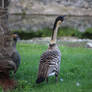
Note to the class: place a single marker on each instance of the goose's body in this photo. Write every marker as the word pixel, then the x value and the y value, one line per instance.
pixel 49 63
pixel 15 55
pixel 50 59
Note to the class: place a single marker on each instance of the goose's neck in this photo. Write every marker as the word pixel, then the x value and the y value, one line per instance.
pixel 54 35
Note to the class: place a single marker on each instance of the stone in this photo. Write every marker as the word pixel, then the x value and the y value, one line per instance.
pixel 40 6
pixel 27 9
pixel 89 45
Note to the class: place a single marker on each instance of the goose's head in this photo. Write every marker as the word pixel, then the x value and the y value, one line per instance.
pixel 58 21
pixel 15 37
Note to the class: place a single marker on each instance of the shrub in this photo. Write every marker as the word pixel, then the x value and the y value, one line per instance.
pixel 87 33
pixel 31 34
pixel 65 31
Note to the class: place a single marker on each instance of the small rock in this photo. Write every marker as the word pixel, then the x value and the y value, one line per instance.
pixel 61 80
pixel 89 45
pixel 77 84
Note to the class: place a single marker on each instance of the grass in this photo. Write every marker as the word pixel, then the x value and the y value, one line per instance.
pixel 76 67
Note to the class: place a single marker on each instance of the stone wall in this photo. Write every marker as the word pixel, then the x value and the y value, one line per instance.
pixel 54 7
pixel 38 14
pixel 38 22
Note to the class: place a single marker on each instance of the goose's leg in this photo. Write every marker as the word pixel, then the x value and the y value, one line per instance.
pixel 47 79
pixel 56 76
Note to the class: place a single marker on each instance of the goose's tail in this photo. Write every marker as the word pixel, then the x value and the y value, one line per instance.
pixel 42 74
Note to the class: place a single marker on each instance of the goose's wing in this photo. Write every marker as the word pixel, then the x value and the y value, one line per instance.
pixel 48 58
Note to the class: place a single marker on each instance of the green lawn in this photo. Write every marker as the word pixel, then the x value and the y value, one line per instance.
pixel 76 70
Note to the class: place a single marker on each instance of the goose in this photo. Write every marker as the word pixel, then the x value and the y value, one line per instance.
pixel 15 55
pixel 50 60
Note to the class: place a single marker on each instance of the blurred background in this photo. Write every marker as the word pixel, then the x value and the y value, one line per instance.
pixel 35 18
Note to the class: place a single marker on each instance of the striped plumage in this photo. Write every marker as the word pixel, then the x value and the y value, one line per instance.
pixel 49 63
pixel 50 60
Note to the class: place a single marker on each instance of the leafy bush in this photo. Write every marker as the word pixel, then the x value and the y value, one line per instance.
pixel 65 31
pixel 31 34
pixel 87 33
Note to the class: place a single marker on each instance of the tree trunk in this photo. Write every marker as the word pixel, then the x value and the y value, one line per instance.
pixel 6 50
pixel 5 37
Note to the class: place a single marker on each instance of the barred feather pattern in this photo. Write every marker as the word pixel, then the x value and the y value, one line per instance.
pixel 49 62
pixel 16 59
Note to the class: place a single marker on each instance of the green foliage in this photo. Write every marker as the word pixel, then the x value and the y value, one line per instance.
pixel 76 66
pixel 65 31
pixel 89 30
pixel 31 34
pixel 87 33
pixel 0 89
